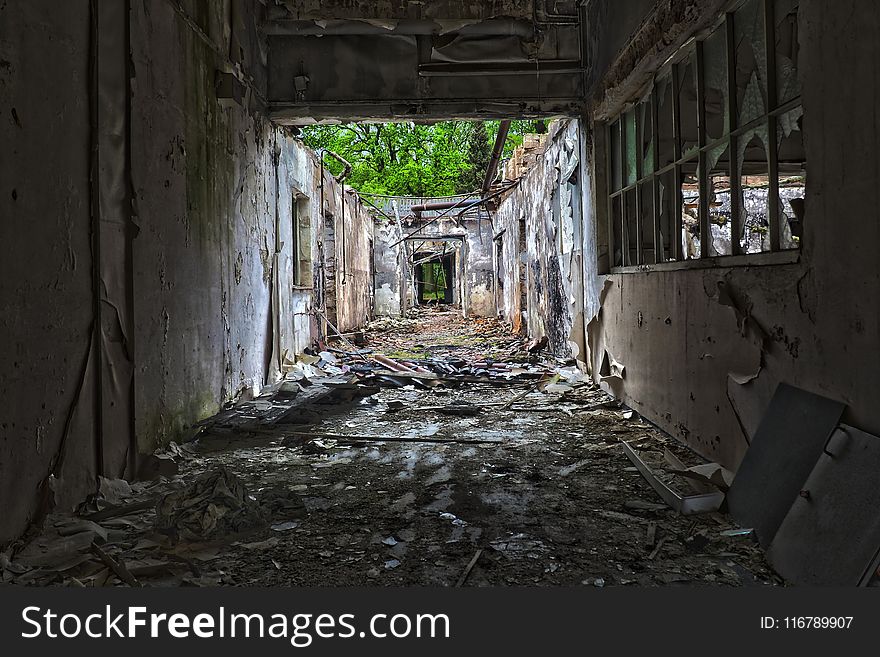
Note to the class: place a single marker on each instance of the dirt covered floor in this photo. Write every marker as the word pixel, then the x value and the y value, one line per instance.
pixel 506 468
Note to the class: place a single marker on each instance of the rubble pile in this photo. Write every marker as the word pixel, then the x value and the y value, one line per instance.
pixel 458 454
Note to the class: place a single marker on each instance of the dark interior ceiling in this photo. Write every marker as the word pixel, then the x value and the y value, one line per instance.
pixel 343 60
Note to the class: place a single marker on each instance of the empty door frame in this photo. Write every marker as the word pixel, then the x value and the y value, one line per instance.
pixel 415 243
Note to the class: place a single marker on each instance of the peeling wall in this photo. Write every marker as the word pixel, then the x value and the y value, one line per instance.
pixel 216 185
pixel 389 268
pixel 350 251
pixel 204 181
pixel 148 227
pixel 474 276
pixel 541 249
pixel 704 349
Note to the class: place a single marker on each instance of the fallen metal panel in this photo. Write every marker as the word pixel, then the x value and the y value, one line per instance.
pixel 785 448
pixel 686 505
pixel 831 535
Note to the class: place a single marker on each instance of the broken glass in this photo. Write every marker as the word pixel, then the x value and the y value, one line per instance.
pixel 788 85
pixel 668 204
pixel 753 171
pixel 688 107
pixel 715 84
pixel 646 195
pixel 690 211
pixel 631 234
pixel 616 225
pixel 719 205
pixel 751 62
pixel 792 177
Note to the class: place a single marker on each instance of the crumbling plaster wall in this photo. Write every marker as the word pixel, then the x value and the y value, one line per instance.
pixel 215 186
pixel 353 230
pixel 204 180
pixel 549 197
pixel 476 290
pixel 389 268
pixel 692 340
pixel 479 288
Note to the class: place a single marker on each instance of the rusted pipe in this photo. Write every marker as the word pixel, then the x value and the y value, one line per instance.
pixel 391 364
pixel 503 130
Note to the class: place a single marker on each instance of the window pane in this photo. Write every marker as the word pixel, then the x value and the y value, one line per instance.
pixel 668 208
pixel 787 47
pixel 792 178
pixel 753 170
pixel 629 122
pixel 646 137
pixel 664 121
pixel 690 211
pixel 715 84
pixel 646 194
pixel 751 62
pixel 631 234
pixel 616 166
pixel 687 99
pixel 718 166
pixel 616 222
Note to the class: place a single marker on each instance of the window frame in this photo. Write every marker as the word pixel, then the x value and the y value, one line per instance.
pixel 670 74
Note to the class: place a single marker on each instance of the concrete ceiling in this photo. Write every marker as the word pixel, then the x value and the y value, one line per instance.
pixel 343 60
pixel 475 10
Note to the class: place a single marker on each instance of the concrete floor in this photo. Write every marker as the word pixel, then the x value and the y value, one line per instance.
pixel 547 497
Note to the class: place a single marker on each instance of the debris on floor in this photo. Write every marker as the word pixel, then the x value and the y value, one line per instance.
pixel 448 452
pixel 216 503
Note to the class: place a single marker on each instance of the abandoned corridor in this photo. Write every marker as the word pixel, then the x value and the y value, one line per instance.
pixel 680 276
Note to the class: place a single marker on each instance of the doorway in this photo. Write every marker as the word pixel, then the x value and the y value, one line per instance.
pixel 435 280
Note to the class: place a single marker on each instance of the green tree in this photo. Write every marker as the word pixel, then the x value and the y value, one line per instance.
pixel 414 159
pixel 479 152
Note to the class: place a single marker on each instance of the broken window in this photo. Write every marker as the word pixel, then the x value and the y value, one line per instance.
pixel 711 162
pixel 691 245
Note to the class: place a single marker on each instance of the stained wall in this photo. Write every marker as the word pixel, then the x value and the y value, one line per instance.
pixel 704 349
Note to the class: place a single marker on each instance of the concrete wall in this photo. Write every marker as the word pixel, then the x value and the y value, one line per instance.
pixel 432 60
pixel 389 268
pixel 548 258
pixel 204 178
pixel 148 235
pixel 352 233
pixel 48 384
pixel 475 268
pixel 705 348
pixel 216 184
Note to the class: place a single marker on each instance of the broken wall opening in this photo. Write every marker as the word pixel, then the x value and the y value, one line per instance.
pixel 437 270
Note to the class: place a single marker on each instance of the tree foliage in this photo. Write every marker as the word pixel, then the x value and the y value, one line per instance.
pixel 413 159
pixel 479 152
